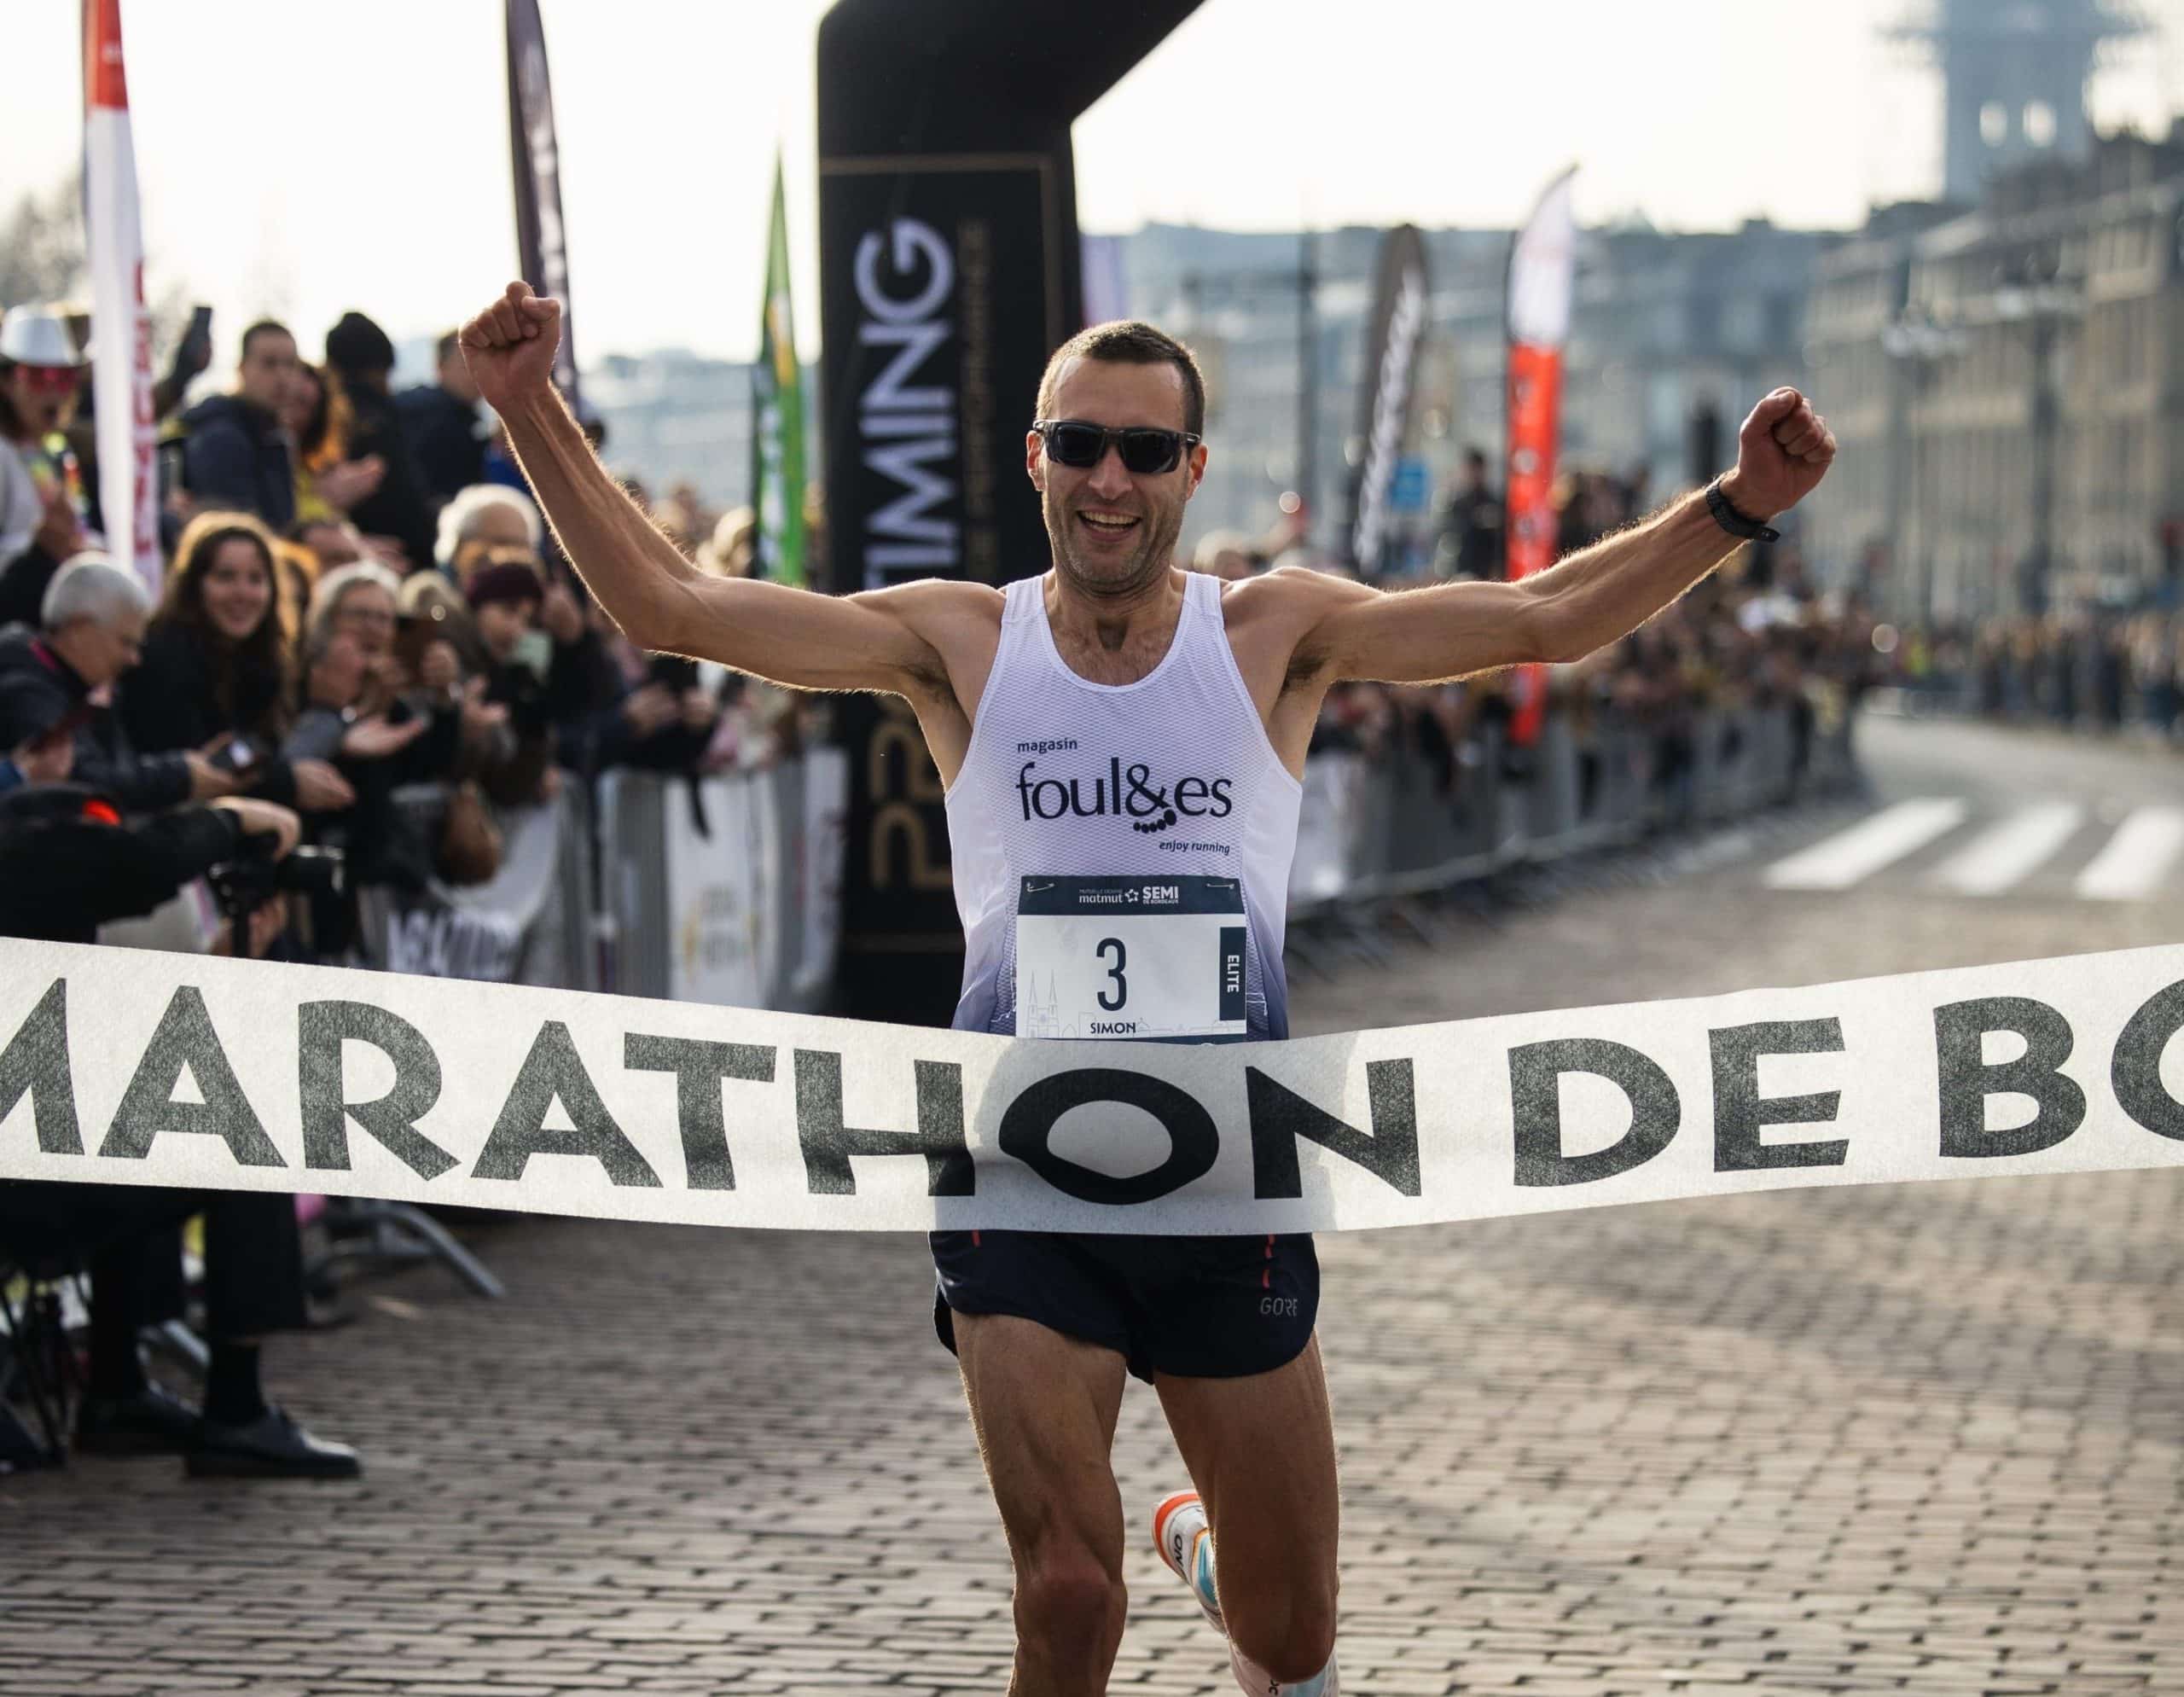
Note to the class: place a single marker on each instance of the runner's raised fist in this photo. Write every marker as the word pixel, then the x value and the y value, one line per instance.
pixel 1783 451
pixel 509 347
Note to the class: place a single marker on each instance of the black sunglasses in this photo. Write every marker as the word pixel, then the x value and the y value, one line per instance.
pixel 1146 451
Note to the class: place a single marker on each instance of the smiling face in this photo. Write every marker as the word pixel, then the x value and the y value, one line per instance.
pixel 365 614
pixel 1113 531
pixel 238 588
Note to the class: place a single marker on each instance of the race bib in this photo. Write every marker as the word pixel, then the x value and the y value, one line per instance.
pixel 1139 957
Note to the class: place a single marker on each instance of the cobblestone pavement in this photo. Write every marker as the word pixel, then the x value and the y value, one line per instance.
pixel 1919 1438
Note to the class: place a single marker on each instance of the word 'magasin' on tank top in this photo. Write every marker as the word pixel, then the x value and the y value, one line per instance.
pixel 1122 851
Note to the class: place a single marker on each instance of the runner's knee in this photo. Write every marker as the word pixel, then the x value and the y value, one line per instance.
pixel 1068 1602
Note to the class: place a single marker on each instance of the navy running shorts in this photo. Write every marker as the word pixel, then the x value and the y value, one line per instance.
pixel 1200 1307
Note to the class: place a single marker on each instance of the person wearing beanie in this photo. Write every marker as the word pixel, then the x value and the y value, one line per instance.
pixel 362 356
pixel 505 593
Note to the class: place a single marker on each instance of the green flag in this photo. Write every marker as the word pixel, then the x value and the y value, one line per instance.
pixel 778 417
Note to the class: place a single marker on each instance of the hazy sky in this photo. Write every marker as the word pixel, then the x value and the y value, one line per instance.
pixel 300 157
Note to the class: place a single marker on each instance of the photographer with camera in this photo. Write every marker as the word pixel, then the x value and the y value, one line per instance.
pixel 68 863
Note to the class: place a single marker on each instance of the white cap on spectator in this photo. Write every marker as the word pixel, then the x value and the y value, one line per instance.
pixel 89 585
pixel 37 336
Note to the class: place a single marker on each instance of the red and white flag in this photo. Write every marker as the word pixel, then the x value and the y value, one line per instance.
pixel 1542 264
pixel 121 379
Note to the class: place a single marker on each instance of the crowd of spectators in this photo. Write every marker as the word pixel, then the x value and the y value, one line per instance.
pixel 2102 670
pixel 1754 635
pixel 363 640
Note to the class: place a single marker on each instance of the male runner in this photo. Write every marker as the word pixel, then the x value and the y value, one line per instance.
pixel 1115 718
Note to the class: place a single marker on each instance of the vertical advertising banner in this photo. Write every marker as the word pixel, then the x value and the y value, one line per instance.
pixel 1542 268
pixel 1395 334
pixel 939 322
pixel 951 268
pixel 777 415
pixel 121 379
pixel 541 249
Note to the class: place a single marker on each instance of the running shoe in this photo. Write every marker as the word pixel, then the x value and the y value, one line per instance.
pixel 1181 1534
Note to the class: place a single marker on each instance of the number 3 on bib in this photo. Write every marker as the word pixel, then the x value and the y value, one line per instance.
pixel 1140 957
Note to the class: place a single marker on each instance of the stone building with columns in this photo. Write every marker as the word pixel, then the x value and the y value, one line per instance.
pixel 2005 381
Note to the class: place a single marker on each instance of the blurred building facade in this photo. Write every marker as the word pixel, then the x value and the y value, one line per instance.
pixel 1664 326
pixel 2005 381
pixel 678 417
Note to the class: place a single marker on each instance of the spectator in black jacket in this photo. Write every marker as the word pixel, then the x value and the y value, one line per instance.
pixel 215 666
pixel 94 631
pixel 442 422
pixel 362 358
pixel 236 454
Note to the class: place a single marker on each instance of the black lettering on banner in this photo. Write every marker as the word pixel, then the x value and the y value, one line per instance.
pixel 2135 1070
pixel 185 1037
pixel 699 1068
pixel 35 1060
pixel 1739 1110
pixel 1279 1117
pixel 827 1142
pixel 553 1069
pixel 1966 1079
pixel 322 1028
pixel 1193 1142
pixel 1535 1070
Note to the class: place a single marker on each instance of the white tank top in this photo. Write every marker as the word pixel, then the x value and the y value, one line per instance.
pixel 1161 803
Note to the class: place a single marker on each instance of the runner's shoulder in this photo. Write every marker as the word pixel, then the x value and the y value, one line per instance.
pixel 934 606
pixel 1292 597
pixel 955 620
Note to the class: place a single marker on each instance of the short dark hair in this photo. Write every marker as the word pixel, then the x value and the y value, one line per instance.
pixel 263 327
pixel 448 343
pixel 1127 341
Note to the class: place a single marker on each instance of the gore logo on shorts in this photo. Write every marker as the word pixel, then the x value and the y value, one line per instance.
pixel 1126 792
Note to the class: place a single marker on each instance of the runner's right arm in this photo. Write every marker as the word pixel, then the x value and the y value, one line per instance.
pixel 662 601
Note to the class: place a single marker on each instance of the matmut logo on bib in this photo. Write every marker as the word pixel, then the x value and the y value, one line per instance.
pixel 1127 791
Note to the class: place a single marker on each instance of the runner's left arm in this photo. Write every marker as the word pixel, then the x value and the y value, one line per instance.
pixel 1590 599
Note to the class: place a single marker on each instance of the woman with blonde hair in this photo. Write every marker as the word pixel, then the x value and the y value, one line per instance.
pixel 316 415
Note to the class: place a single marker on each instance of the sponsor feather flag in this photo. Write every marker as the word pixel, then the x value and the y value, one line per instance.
pixel 541 246
pixel 777 416
pixel 122 377
pixel 1542 266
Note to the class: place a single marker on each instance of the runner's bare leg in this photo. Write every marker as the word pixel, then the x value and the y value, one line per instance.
pixel 1261 1451
pixel 1044 1408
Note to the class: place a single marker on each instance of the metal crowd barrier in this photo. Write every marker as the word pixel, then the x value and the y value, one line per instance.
pixel 726 889
pixel 1400 823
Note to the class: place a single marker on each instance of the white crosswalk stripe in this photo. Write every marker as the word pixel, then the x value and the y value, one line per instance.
pixel 2010 849
pixel 2132 863
pixel 1849 857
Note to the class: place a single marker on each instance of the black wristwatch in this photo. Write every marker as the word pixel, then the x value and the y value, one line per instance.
pixel 1733 521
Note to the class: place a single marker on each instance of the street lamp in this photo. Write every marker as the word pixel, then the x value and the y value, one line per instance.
pixel 2033 296
pixel 1917 345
